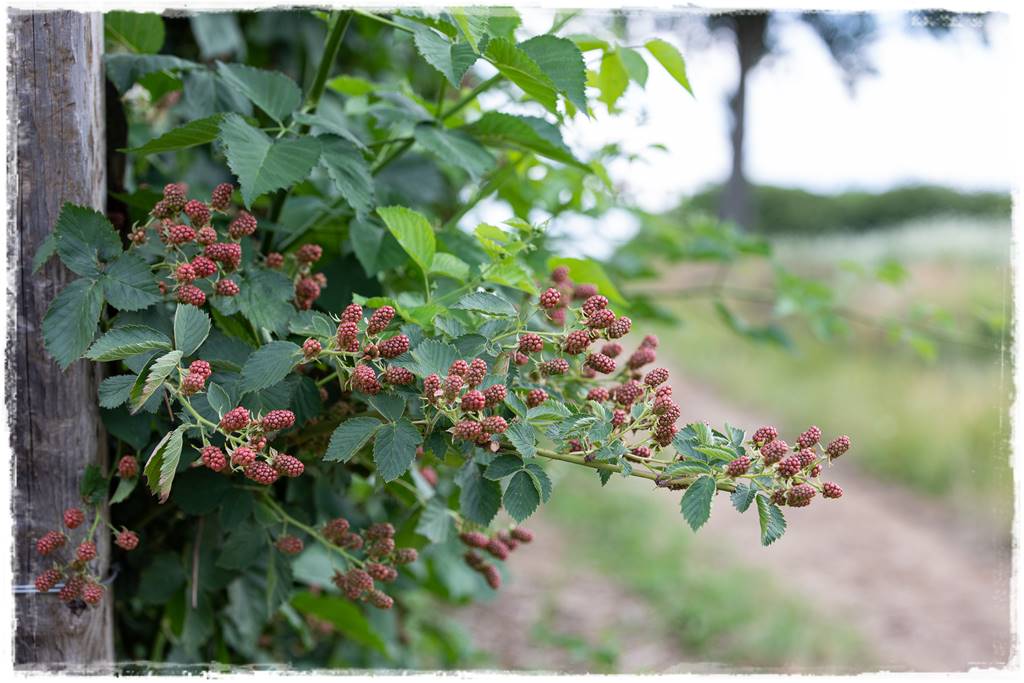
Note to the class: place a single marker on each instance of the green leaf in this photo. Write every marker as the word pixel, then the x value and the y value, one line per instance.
pixel 413 231
pixel 455 147
pixel 114 390
pixel 562 61
pixel 47 248
pixel 522 495
pixel 517 66
pixel 773 524
pixel 123 490
pixel 155 374
pixel 450 265
pixel 742 497
pixel 612 80
pixel 503 466
pixel 135 31
pixel 542 479
pixel 589 271
pixel 218 399
pixel 473 23
pixel 452 60
pixel 85 238
pixel 434 357
pixel 350 436
pixel 394 449
pixel 218 35
pixel 523 437
pixel 124 70
pixel 343 615
pixel 269 365
pixel 349 171
pixel 244 546
pixel 192 134
pixel 696 502
pixel 479 498
pixel 635 65
pixel 353 86
pixel 128 284
pixel 668 56
pixel 93 486
pixel 70 321
pixel 391 406
pixel 271 91
pixel 266 299
pixel 523 133
pixel 163 463
pixel 261 164
pixel 486 302
pixel 191 328
pixel 129 340
pixel 436 522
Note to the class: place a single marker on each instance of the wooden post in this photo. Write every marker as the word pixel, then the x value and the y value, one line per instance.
pixel 56 154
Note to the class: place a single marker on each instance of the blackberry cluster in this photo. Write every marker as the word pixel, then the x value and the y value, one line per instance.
pixel 499 546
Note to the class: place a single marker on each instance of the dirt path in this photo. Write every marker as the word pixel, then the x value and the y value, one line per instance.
pixel 926 591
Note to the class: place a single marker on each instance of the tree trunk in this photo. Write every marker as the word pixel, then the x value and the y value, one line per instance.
pixel 749 29
pixel 56 90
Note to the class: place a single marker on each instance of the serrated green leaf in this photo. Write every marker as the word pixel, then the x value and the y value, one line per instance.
pixel 269 365
pixel 452 60
pixel 114 391
pixel 528 133
pixel 473 23
pixel 517 66
pixel 773 523
pixel 391 406
pixel 350 436
pixel 217 34
pixel 543 480
pixel 668 56
pixel 353 86
pixel 523 437
pixel 266 299
pixel 612 80
pixel 742 497
pixel 124 70
pixel 85 238
pixel 413 231
pixel 191 328
pixel 394 449
pixel 123 490
pixel 163 463
pixel 128 284
pixel 192 134
pixel 46 249
pixel 522 495
pixel 437 522
pixel 635 65
pixel 93 486
pixel 562 61
pixel 128 340
pixel 263 165
pixel 432 356
pixel 487 303
pixel 451 266
pixel 152 378
pixel 503 466
pixel 343 615
pixel 138 32
pixel 218 399
pixel 349 171
pixel 271 91
pixel 479 498
pixel 70 322
pixel 455 147
pixel 696 502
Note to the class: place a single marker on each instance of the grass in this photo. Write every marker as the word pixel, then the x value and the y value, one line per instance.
pixel 721 614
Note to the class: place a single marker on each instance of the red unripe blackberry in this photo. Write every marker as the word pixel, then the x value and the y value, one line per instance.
pixel 555 366
pixel 641 357
pixel 364 379
pixel 816 470
pixel 662 404
pixel 432 387
pixel 773 451
pixel 492 576
pixel 180 234
pixel 288 465
pixel 353 313
pixel 359 581
pixel 599 394
pixel 577 341
pixel 128 467
pixel 522 535
pixel 398 376
pixel 127 540
pixel 335 529
pixel 243 225
pixel 557 316
pixel 808 438
pixel 226 287
pixel 560 274
pixel 531 343
pixel 497 549
pixel 86 551
pixel 92 593
pixel 550 298
pixel 593 304
pixel 650 342
pixel 351 541
pixel 192 384
pixel 807 456
pixel 72 588
pixel 220 198
pixel 229 254
pixel 309 253
pixel 73 518
pixel 452 385
pixel 50 541
pixel 575 445
pixel 192 295
pixel 656 376
pixel 475 560
pixel 476 373
pixel 274 260
pixel 185 273
pixel 394 347
pixel 641 451
pixel 201 368
pixel 306 292
pixel 347 330
pixel 612 349
pixel 380 599
pixel 789 466
pixel 583 291
pixel 627 394
pixel 494 395
pixel 406 555
pixel 520 358
pixel 458 367
pixel 261 473
pixel 198 213
pixel 175 195
pixel 800 495
pixel 619 328
pixel 380 319
pixel 601 319
pixel 738 467
pixel 764 435
pixel 47 580
pixel 235 419
pixel 138 237
pixel 474 539
pixel 663 391
pixel 535 397
pixel 243 456
pixel 494 424
pixel 669 415
pixel 206 235
pixel 831 490
pixel 619 417
pixel 257 443
pixel 588 372
pixel 213 458
pixel 163 210
pixel 203 267
pixel 379 530
pixel 664 434
pixel 278 419
pixel 467 430
pixel 429 475
pixel 311 348
pixel 289 545
pixel 838 446
pixel 381 548
pixel 381 572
